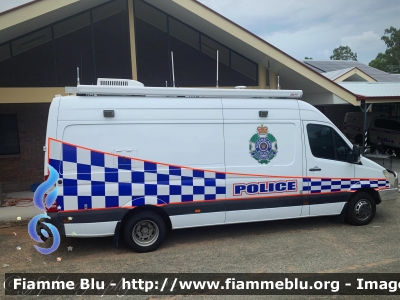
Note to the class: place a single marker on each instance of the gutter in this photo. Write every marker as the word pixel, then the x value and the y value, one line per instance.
pixel 361 97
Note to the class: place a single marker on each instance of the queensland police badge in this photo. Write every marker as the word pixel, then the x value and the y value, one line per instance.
pixel 263 145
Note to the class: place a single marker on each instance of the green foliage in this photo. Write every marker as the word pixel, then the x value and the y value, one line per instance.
pixel 343 53
pixel 392 43
pixel 381 62
pixel 389 60
pixel 308 57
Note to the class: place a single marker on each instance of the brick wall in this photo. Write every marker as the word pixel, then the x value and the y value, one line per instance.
pixel 18 173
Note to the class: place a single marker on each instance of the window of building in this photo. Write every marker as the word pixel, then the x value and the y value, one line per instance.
pixel 9 141
pixel 96 41
pixel 152 57
pixel 243 66
pixel 158 34
pixel 184 33
pixel 73 48
pixel 327 143
pixel 6 73
pixel 210 47
pixel 190 64
pixel 111 41
pixel 33 59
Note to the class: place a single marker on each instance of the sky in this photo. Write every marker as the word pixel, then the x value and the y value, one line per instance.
pixel 311 28
pixel 8 4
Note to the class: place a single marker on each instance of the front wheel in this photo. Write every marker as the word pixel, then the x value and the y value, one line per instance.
pixel 145 231
pixel 361 209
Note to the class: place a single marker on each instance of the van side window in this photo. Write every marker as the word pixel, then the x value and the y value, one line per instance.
pixel 387 124
pixel 327 143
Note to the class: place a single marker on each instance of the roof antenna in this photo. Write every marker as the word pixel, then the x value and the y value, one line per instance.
pixel 77 76
pixel 173 69
pixel 279 87
pixel 217 66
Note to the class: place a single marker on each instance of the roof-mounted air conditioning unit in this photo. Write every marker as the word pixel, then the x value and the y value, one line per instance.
pixel 119 82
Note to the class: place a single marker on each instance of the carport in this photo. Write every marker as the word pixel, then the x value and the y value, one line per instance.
pixel 369 93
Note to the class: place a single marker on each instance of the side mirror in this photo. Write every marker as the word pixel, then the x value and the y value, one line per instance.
pixel 354 156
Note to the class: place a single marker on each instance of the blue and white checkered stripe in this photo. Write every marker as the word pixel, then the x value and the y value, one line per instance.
pixel 99 180
pixel 324 185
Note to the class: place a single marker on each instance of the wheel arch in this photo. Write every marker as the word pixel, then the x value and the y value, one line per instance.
pixel 374 194
pixel 141 208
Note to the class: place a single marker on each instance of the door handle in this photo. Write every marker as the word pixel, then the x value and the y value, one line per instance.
pixel 315 169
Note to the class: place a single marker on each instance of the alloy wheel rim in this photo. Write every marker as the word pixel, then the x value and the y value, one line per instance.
pixel 145 233
pixel 363 210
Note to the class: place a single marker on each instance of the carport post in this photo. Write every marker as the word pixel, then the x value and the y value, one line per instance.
pixel 364 107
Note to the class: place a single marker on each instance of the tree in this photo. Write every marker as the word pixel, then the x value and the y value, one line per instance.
pixel 392 43
pixel 381 62
pixel 390 60
pixel 343 53
pixel 307 57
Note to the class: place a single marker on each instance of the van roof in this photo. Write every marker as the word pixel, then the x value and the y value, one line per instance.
pixel 124 87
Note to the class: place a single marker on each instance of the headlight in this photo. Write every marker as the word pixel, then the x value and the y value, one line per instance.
pixel 386 174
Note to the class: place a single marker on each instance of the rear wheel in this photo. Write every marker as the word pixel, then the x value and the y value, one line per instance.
pixel 145 231
pixel 361 209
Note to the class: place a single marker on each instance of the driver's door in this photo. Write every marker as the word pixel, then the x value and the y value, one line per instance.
pixel 328 174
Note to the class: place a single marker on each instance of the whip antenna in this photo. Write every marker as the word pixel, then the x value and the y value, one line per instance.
pixel 217 66
pixel 173 70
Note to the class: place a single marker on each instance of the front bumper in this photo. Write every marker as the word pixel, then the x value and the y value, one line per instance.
pixel 391 193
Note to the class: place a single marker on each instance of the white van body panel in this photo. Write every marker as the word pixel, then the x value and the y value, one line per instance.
pixel 266 214
pixel 326 209
pixel 143 125
pixel 150 129
pixel 197 220
pixel 96 229
pixel 310 113
pixel 368 168
pixel 241 121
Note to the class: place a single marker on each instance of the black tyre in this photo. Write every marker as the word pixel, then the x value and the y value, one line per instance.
pixel 40 227
pixel 145 231
pixel 361 209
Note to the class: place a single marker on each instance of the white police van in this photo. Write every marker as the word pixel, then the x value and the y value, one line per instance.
pixel 136 161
